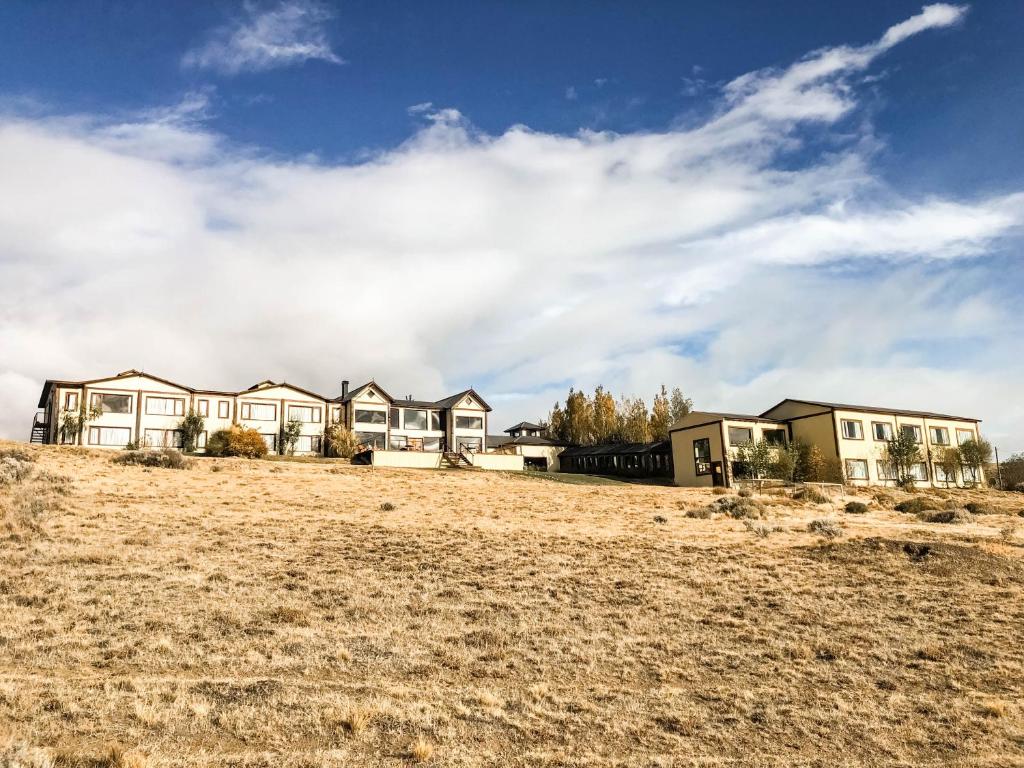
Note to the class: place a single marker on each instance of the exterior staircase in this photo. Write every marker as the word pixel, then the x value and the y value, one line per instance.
pixel 456 460
pixel 39 429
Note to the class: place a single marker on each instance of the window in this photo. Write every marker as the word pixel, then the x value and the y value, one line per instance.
pixel 165 406
pixel 470 443
pixel 882 430
pixel 259 411
pixel 469 422
pixel 970 474
pixel 394 415
pixel 164 438
pixel 71 401
pixel 435 421
pixel 371 417
pixel 371 439
pixel 415 419
pixel 398 442
pixel 118 436
pixel 204 407
pixel 919 471
pixel 307 414
pixel 201 441
pixel 112 403
pixel 885 470
pixel 308 443
pixel 774 436
pixel 432 444
pixel 336 414
pixel 857 469
pixel 853 429
pixel 938 435
pixel 963 435
pixel 702 455
pixel 740 435
pixel 941 476
pixel 223 409
pixel 271 441
pixel 913 430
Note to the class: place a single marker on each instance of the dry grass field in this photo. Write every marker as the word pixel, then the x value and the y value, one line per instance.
pixel 261 613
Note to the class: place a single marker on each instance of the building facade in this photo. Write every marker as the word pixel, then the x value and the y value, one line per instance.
pixel 136 408
pixel 851 438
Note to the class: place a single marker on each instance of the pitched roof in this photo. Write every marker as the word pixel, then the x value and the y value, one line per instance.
pixel 49 383
pixel 870 409
pixel 268 384
pixel 353 392
pixel 449 402
pixel 524 425
pixel 703 418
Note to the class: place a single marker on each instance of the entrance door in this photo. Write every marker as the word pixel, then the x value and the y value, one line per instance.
pixel 717 475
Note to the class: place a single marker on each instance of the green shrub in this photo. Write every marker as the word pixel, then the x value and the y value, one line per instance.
pixel 856 507
pixel 237 441
pixel 191 427
pixel 168 458
pixel 917 505
pixel 739 507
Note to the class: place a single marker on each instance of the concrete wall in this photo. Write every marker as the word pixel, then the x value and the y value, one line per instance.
pixel 408 459
pixel 683 459
pixel 497 461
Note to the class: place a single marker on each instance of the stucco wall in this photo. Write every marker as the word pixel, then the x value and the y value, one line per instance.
pixel 683 456
pixel 408 459
pixel 497 461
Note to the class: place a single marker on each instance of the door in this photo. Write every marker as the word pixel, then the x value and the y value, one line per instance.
pixel 717 474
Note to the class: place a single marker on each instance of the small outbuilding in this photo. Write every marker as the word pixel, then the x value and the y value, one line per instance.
pixel 620 459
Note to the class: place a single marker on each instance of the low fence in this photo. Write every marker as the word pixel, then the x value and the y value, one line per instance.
pixel 432 460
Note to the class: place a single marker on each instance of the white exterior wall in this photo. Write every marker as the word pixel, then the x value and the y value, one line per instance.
pixel 467 406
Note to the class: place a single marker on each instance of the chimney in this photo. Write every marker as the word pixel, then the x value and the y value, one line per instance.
pixel 344 388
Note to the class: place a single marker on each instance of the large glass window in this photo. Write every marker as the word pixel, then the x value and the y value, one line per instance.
pixel 71 401
pixel 372 439
pixel 970 474
pixel 740 435
pixel 435 421
pixel 371 417
pixel 112 403
pixel 164 438
pixel 856 469
pixel 774 436
pixel 307 414
pixel 223 409
pixel 913 430
pixel 941 476
pixel 308 443
pixel 395 417
pixel 415 419
pixel 882 430
pixel 853 429
pixel 259 411
pixel 399 443
pixel 702 455
pixel 117 436
pixel 203 407
pixel 963 435
pixel 885 470
pixel 469 422
pixel 919 471
pixel 431 444
pixel 165 406
pixel 938 435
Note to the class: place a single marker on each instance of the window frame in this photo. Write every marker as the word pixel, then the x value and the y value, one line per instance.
pixel 225 411
pixel 315 444
pixel 203 408
pixel 782 430
pixel 885 470
pixel 874 433
pixel 177 439
pixel 971 435
pixel 67 401
pixel 426 419
pixel 246 410
pixel 748 430
pixel 858 462
pixel 99 431
pixel 469 418
pixel 697 456
pixel 314 412
pixel 96 399
pixel 272 442
pixel 178 409
pixel 933 431
pixel 920 464
pixel 918 434
pixel 376 414
pixel 860 429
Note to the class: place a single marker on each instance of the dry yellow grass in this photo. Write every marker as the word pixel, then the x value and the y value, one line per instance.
pixel 316 614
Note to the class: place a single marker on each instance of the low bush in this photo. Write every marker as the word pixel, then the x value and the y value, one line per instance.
pixel 761 530
pixel 917 505
pixel 746 493
pixel 701 513
pixel 813 495
pixel 719 490
pixel 387 506
pixel 17 452
pixel 830 529
pixel 740 507
pixel 237 441
pixel 167 458
pixel 954 516
pixel 856 507
pixel 14 470
pixel 979 508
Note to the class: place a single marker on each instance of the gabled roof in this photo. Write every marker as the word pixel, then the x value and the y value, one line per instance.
pixel 524 425
pixel 450 402
pixel 50 383
pixel 353 392
pixel 870 409
pixel 268 384
pixel 703 418
pixel 495 441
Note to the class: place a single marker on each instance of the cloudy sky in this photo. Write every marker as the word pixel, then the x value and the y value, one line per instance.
pixel 749 201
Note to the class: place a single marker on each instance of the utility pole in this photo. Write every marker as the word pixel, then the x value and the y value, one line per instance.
pixel 999 471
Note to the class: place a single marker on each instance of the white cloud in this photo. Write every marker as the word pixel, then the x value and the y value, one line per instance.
pixel 513 262
pixel 290 33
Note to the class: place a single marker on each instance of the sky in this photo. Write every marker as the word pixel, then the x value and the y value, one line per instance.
pixel 746 200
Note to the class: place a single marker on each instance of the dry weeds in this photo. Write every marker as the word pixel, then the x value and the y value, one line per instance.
pixel 235 615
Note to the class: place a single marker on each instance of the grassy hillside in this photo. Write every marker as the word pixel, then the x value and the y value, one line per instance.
pixel 252 613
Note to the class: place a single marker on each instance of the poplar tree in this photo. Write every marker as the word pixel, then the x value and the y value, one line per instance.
pixel 636 424
pixel 661 415
pixel 681 406
pixel 605 420
pixel 579 417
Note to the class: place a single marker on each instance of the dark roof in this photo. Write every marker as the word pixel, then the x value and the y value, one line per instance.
pixel 353 392
pixel 446 402
pixel 268 384
pixel 870 409
pixel 450 401
pixel 525 425
pixel 496 441
pixel 711 417
pixel 531 440
pixel 618 449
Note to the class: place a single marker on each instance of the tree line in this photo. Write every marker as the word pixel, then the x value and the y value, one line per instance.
pixel 601 419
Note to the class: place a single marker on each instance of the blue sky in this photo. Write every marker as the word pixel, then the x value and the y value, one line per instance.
pixel 750 200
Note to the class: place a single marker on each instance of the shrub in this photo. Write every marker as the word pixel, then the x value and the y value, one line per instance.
pixel 979 508
pixel 167 458
pixel 14 470
pixel 660 519
pixel 955 516
pixel 237 441
pixel 719 490
pixel 830 529
pixel 917 505
pixel 813 495
pixel 701 513
pixel 739 507
pixel 856 507
pixel 387 506
pixel 340 441
pixel 290 433
pixel 746 493
pixel 191 427
pixel 16 452
pixel 761 530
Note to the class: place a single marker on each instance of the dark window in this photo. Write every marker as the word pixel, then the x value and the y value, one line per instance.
pixel 395 423
pixel 774 436
pixel 372 439
pixel 939 435
pixel 740 435
pixel 112 403
pixel 853 429
pixel 702 455
pixel 469 422
pixel 435 421
pixel 882 430
pixel 915 432
pixel 371 417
